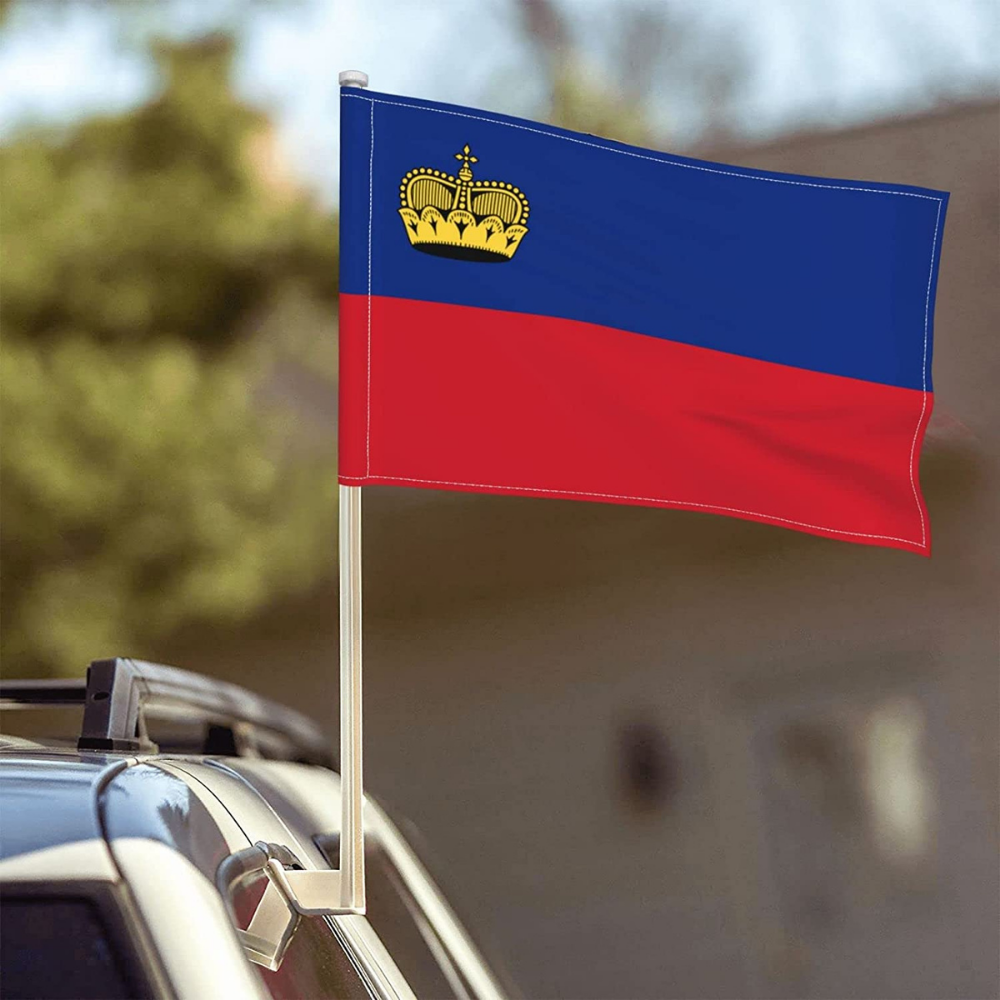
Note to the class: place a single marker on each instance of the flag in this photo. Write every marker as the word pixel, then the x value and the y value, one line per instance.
pixel 527 310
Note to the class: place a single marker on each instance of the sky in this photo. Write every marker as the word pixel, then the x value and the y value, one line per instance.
pixel 806 63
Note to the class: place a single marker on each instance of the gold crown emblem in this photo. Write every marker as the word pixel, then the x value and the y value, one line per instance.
pixel 460 217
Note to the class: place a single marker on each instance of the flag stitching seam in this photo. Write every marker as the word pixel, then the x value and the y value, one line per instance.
pixel 923 402
pixel 622 496
pixel 642 156
pixel 729 173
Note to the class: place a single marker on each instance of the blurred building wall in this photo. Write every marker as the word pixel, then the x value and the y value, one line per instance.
pixel 667 754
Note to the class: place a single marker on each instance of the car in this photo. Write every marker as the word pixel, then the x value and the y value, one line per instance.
pixel 146 858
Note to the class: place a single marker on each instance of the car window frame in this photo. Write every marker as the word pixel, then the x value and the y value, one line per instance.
pixel 140 964
pixel 310 795
pixel 354 934
pixel 260 822
pixel 436 947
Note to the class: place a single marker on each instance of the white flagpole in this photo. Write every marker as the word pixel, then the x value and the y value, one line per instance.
pixel 316 893
pixel 352 835
pixel 323 892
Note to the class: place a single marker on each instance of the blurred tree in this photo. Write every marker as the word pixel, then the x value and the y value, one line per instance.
pixel 143 480
pixel 139 491
pixel 580 99
pixel 643 48
pixel 158 222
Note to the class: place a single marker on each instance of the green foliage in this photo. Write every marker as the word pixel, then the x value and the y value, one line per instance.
pixel 144 481
pixel 159 222
pixel 140 490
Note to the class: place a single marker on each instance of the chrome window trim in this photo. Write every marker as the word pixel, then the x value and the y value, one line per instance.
pixel 374 961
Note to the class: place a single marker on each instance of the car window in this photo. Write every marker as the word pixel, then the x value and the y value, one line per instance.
pixel 405 930
pixel 314 964
pixel 59 948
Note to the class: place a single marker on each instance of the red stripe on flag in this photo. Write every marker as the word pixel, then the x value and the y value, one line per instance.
pixel 460 398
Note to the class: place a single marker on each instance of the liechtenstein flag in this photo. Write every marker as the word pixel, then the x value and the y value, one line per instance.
pixel 538 312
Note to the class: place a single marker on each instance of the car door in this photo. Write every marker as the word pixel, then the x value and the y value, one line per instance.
pixel 338 957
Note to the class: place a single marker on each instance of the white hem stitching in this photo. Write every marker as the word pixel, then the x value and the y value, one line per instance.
pixel 651 500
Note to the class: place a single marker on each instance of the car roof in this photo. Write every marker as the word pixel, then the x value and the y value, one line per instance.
pixel 48 797
pixel 51 796
pixel 207 809
pixel 50 792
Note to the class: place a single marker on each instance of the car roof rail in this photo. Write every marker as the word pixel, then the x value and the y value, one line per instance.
pixel 50 691
pixel 120 694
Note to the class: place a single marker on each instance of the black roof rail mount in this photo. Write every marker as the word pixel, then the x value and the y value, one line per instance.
pixel 120 690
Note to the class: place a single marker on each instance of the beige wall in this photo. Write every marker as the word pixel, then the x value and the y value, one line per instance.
pixel 508 641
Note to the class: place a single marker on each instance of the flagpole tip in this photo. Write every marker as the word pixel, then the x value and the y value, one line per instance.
pixel 353 78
